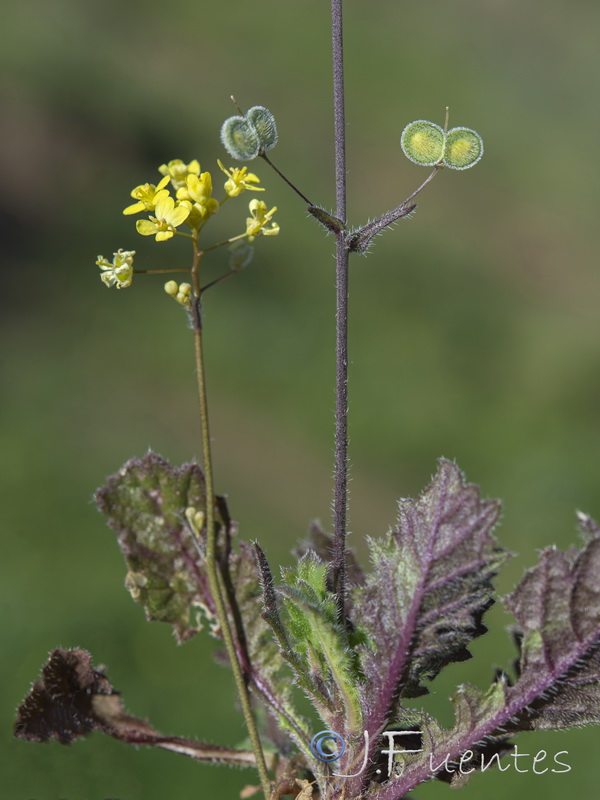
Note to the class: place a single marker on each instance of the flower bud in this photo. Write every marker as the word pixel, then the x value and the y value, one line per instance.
pixel 263 123
pixel 181 292
pixel 464 148
pixel 240 139
pixel 423 142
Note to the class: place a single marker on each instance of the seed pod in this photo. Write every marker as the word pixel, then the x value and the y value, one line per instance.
pixel 423 142
pixel 240 139
pixel 464 148
pixel 263 123
pixel 240 255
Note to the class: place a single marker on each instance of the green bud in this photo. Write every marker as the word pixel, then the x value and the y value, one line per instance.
pixel 240 139
pixel 464 148
pixel 423 142
pixel 263 123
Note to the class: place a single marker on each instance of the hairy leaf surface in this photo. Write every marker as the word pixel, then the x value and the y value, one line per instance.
pixel 423 601
pixel 557 606
pixel 429 587
pixel 145 503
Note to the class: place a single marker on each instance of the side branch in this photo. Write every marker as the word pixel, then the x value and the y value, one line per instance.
pixel 359 241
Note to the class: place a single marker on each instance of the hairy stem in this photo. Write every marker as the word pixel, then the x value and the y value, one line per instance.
pixel 338 572
pixel 211 536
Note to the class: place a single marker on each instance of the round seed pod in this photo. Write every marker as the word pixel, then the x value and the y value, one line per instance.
pixel 464 148
pixel 263 123
pixel 423 142
pixel 240 139
pixel 240 255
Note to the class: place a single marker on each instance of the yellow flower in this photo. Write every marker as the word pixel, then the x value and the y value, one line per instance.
pixel 119 271
pixel 181 292
pixel 197 192
pixel 167 217
pixel 260 219
pixel 147 196
pixel 178 172
pixel 239 179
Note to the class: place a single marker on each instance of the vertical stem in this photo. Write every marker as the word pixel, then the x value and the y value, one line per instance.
pixel 341 405
pixel 211 537
pixel 338 108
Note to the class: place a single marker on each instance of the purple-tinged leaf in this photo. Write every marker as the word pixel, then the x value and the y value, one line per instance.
pixel 430 585
pixel 557 606
pixel 423 601
pixel 72 699
pixel 146 502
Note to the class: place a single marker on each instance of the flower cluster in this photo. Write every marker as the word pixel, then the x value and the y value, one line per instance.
pixel 184 197
pixel 193 202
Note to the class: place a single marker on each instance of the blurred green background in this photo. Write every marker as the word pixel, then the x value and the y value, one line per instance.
pixel 474 328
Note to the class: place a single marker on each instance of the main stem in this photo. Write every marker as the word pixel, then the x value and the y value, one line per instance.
pixel 340 499
pixel 211 538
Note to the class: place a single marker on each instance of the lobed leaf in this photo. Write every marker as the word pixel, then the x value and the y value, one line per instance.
pixel 557 606
pixel 424 599
pixel 431 582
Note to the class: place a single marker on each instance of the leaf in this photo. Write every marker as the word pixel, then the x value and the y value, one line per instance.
pixel 424 599
pixel 146 503
pixel 557 606
pixel 72 699
pixel 312 641
pixel 261 656
pixel 430 585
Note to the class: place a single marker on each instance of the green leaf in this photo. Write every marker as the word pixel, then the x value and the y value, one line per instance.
pixel 325 653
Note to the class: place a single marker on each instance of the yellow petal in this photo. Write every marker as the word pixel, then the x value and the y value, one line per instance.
pixel 134 208
pixel 145 227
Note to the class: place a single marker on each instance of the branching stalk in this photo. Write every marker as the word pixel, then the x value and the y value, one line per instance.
pixel 211 544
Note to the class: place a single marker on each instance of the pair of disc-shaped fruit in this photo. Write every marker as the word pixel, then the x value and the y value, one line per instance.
pixel 426 143
pixel 245 137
